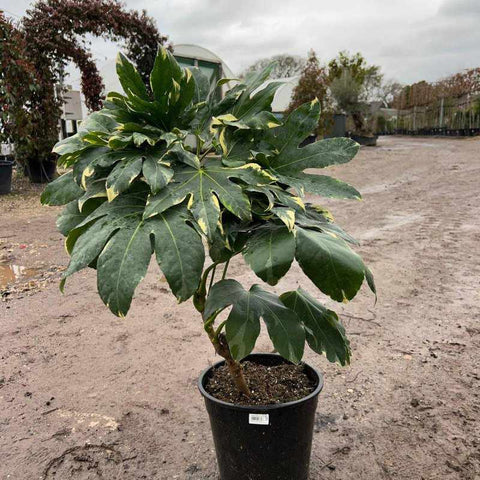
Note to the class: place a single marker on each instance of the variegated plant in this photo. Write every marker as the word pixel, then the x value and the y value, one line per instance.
pixel 170 170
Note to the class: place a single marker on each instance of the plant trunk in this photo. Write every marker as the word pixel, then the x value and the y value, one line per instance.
pixel 220 344
pixel 358 121
pixel 236 371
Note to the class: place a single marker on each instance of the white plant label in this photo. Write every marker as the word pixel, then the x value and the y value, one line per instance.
pixel 258 419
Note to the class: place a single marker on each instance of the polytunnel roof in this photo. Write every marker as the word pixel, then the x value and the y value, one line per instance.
pixel 189 50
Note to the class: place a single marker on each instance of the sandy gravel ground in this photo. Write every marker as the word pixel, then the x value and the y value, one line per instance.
pixel 85 395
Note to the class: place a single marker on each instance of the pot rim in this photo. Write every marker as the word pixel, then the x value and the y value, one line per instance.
pixel 258 408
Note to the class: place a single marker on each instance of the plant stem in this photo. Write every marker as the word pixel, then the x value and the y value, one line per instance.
pixel 218 339
pixel 219 329
pixel 200 295
pixel 211 278
pixel 209 149
pixel 235 368
pixel 225 269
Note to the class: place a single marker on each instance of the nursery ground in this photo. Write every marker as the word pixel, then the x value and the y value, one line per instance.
pixel 86 395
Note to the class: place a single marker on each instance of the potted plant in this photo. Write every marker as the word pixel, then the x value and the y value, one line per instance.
pixel 347 92
pixel 136 188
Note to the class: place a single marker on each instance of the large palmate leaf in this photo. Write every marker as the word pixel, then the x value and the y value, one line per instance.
pixel 325 334
pixel 116 235
pixel 243 327
pixel 289 158
pixel 206 186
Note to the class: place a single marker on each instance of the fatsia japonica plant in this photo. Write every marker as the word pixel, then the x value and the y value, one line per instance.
pixel 170 170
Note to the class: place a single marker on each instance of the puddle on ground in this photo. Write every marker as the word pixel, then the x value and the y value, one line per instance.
pixel 10 273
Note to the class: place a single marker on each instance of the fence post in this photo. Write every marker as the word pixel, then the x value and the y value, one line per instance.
pixel 441 112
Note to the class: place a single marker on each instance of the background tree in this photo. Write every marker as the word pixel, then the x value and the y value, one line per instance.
pixel 369 76
pixel 387 91
pixel 285 66
pixel 313 84
pixel 54 34
pixel 347 92
pixel 16 116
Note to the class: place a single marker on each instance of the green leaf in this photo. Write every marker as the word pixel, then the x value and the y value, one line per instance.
pixel 93 227
pixel 237 146
pixel 371 282
pixel 69 145
pixel 185 96
pixel 71 216
pixel 331 265
pixel 323 153
pixel 258 121
pixel 202 85
pixel 157 173
pixel 252 82
pixel 99 121
pixel 243 327
pixel 179 154
pixel 317 218
pixel 86 243
pixel 323 185
pixel 260 103
pixel 123 174
pixel 299 125
pixel 94 190
pixel 179 251
pixel 165 71
pixel 130 79
pixel 325 334
pixel 88 161
pixel 122 265
pixel 61 191
pixel 206 187
pixel 286 215
pixel 270 252
pixel 122 209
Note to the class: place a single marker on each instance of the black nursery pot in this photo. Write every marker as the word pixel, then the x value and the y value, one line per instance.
pixel 6 167
pixel 41 172
pixel 272 442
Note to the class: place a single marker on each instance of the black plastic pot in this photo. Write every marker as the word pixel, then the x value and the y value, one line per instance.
pixel 41 172
pixel 6 166
pixel 263 443
pixel 370 141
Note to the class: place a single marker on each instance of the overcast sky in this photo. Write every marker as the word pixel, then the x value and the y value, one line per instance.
pixel 410 39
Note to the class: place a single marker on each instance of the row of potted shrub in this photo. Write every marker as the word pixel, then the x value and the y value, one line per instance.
pixel 439 131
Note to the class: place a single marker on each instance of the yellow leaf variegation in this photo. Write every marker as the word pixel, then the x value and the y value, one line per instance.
pixel 170 169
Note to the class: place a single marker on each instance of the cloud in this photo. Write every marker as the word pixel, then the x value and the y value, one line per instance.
pixel 459 8
pixel 409 39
